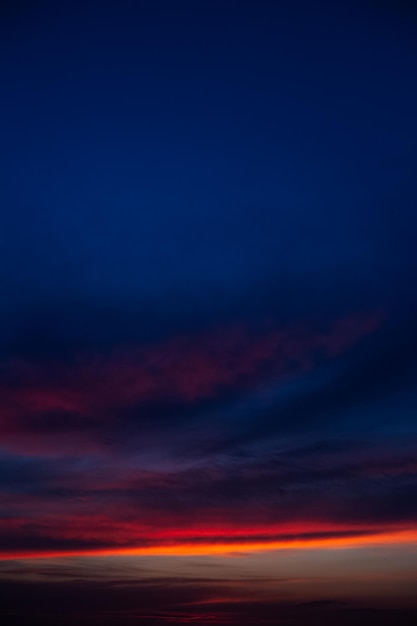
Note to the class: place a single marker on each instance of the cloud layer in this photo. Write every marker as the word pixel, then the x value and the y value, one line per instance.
pixel 205 442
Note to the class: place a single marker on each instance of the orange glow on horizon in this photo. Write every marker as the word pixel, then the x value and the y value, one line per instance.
pixel 391 537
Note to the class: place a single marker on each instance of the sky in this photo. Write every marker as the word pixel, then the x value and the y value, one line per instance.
pixel 208 336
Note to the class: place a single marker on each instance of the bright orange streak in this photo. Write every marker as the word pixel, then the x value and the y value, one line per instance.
pixel 394 537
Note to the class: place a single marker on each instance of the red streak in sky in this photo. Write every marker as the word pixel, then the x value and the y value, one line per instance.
pixel 393 536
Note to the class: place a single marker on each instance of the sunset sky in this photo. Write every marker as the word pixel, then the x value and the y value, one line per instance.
pixel 208 335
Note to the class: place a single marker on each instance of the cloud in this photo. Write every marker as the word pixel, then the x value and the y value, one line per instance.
pixel 94 443
pixel 319 494
pixel 85 400
pixel 86 436
pixel 374 382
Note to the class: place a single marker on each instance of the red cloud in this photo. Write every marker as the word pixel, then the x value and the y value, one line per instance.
pixel 95 534
pixel 57 405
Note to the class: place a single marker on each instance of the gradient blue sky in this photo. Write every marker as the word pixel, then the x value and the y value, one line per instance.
pixel 208 330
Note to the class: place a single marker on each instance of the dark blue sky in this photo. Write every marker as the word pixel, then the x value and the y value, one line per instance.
pixel 204 150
